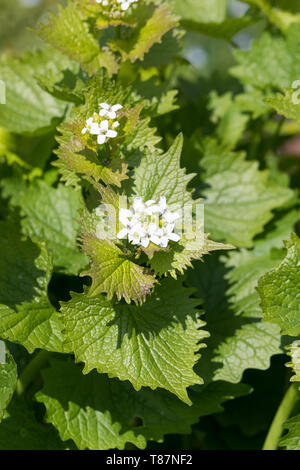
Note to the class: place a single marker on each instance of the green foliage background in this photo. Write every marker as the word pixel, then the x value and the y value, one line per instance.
pixel 191 348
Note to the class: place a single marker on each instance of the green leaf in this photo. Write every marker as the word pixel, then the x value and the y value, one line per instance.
pixel 99 413
pixel 251 347
pixel 154 345
pixel 153 24
pixel 287 105
pixel 247 266
pixel 28 108
pixel 291 441
pixel 8 381
pixel 113 273
pixel 240 199
pixel 239 340
pixel 294 353
pixel 225 30
pixel 69 32
pixel 282 18
pixel 280 293
pixel 20 430
pixel 231 120
pixel 272 61
pixel 26 315
pixel 162 176
pixel 52 215
pixel 236 342
pixel 206 11
pixel 180 257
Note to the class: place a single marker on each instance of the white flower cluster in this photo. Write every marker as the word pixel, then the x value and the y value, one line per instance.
pixel 116 7
pixel 149 221
pixel 103 124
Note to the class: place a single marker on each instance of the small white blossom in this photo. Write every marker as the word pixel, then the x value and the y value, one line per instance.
pixel 105 133
pixel 109 111
pixel 103 124
pixel 147 222
pixel 92 127
pixel 100 129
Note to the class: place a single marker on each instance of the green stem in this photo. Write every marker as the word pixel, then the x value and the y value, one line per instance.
pixel 31 371
pixel 285 409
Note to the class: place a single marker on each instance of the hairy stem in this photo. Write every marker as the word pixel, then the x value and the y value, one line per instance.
pixel 31 371
pixel 285 408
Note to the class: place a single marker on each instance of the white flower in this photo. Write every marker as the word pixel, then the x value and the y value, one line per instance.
pixel 105 133
pixel 149 221
pixel 108 110
pixel 91 126
pixel 101 129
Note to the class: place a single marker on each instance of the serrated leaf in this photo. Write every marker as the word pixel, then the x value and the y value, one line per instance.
pixel 294 353
pixel 26 315
pixel 52 215
pixel 240 199
pixel 180 257
pixel 272 61
pixel 247 266
pixel 111 410
pixel 113 273
pixel 69 32
pixel 8 381
pixel 251 347
pixel 154 345
pixel 28 108
pixel 237 342
pixel 291 441
pixel 239 339
pixel 162 176
pixel 153 24
pixel 279 291
pixel 287 105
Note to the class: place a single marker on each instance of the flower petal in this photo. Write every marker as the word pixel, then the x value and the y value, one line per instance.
pixel 111 134
pixel 111 115
pixel 101 139
pixel 104 125
pixel 174 237
pixel 145 242
pixel 123 233
pixel 116 107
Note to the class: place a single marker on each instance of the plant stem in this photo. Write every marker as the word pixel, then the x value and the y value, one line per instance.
pixel 31 370
pixel 285 408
